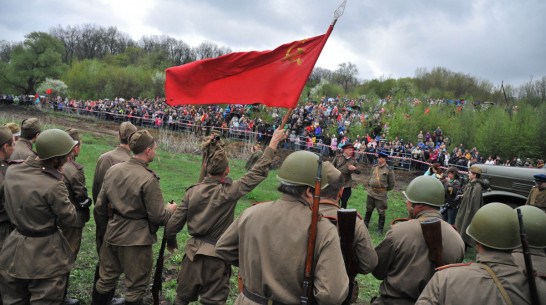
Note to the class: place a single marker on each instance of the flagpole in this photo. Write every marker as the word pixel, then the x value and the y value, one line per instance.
pixel 337 13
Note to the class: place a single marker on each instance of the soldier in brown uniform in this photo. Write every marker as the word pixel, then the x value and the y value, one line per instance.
pixel 534 221
pixel 471 201
pixel 208 208
pixel 36 258
pixel 404 264
pixel 7 145
pixel 129 209
pixel 537 196
pixel 269 243
pixel 364 252
pixel 30 129
pixel 15 129
pixel 257 153
pixel 346 164
pixel 495 230
pixel 121 154
pixel 381 181
pixel 74 179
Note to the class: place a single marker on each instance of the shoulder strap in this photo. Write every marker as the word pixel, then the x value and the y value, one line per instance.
pixel 498 283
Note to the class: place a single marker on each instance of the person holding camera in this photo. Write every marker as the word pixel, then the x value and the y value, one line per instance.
pixel 452 187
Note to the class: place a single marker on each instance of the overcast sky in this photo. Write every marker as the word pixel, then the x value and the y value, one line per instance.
pixel 491 40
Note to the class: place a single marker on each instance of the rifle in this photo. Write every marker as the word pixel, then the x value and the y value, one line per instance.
pixel 307 292
pixel 157 285
pixel 432 233
pixel 346 220
pixel 528 263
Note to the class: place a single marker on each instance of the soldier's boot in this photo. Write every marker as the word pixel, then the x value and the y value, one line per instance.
pixel 67 300
pixel 380 225
pixel 139 302
pixel 367 218
pixel 102 298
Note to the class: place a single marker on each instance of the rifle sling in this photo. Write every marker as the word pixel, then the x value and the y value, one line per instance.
pixel 498 283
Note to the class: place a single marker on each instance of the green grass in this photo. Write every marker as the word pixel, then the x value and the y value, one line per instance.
pixel 177 172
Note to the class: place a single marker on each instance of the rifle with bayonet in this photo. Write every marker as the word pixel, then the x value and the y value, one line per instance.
pixel 528 263
pixel 157 285
pixel 307 291
pixel 346 221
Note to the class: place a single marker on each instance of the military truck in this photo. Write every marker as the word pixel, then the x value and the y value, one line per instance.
pixel 508 184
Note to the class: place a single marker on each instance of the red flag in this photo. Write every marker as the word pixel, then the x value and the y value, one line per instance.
pixel 48 91
pixel 274 78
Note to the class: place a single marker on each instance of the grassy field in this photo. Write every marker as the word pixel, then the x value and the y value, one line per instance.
pixel 178 171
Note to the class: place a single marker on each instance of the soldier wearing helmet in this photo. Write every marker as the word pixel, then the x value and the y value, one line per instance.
pixel 537 196
pixel 404 255
pixel 7 145
pixel 268 242
pixel 36 258
pixel 208 209
pixel 74 179
pixel 471 201
pixel 364 253
pixel 495 278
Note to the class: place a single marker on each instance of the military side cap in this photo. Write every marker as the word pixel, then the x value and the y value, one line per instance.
pixel 126 129
pixel 348 145
pixel 140 140
pixel 217 163
pixel 540 178
pixel 5 135
pixel 15 130
pixel 30 127
pixel 474 169
pixel 382 154
pixel 332 173
pixel 74 134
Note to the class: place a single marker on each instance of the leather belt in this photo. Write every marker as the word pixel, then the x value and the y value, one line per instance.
pixel 43 233
pixel 259 299
pixel 379 189
pixel 346 176
pixel 208 240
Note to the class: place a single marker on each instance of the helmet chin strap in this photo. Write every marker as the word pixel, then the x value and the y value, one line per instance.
pixel 411 211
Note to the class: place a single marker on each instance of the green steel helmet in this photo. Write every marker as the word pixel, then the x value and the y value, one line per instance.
pixel 427 190
pixel 496 226
pixel 300 168
pixel 534 221
pixel 54 143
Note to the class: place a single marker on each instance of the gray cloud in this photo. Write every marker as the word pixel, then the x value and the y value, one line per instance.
pixel 491 40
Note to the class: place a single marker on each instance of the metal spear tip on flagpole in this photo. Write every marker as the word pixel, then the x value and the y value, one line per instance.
pixel 339 12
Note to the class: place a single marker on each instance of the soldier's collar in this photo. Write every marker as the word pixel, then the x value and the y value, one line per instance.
pixel 329 201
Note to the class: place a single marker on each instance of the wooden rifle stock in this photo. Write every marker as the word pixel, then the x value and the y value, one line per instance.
pixel 432 233
pixel 346 221
pixel 307 291
pixel 157 285
pixel 528 263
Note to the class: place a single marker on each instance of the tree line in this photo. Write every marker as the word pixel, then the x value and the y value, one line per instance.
pixel 91 62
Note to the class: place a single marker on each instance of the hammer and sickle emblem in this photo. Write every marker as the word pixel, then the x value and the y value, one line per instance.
pixel 296 56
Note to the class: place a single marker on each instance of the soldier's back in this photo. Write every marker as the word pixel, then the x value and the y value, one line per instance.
pixel 472 284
